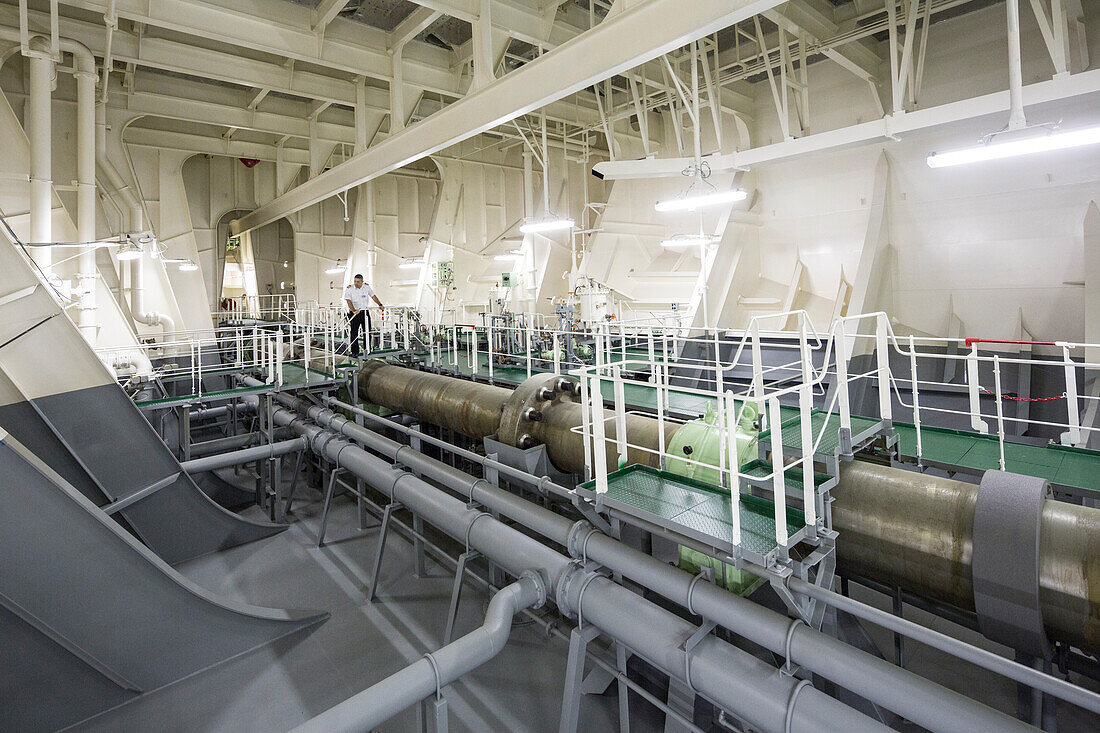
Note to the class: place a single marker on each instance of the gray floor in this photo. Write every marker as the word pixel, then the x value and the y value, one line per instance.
pixel 276 687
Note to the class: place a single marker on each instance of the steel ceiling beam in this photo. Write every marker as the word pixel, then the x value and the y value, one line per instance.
pixel 325 12
pixel 203 63
pixel 286 29
pixel 615 45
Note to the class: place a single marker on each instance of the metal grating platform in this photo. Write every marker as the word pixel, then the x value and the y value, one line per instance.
pixel 863 429
pixel 693 509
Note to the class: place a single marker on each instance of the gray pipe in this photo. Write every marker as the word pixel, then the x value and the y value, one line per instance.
pixel 767 628
pixel 382 700
pixel 910 695
pixel 736 677
pixel 247 455
pixel 975 655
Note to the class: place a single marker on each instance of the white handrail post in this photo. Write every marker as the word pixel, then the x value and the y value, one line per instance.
pixel 723 417
pixel 841 341
pixel 916 395
pixel 489 333
pixel 735 473
pixel 454 346
pixel 620 415
pixel 586 427
pixel 599 444
pixel 307 344
pixel 976 422
pixel 805 407
pixel 279 358
pixel 659 373
pixel 885 407
pixel 1000 410
pixel 757 370
pixel 529 356
pixel 779 487
pixel 1073 410
pixel 555 350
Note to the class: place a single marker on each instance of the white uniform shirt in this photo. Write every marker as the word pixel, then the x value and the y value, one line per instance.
pixel 360 297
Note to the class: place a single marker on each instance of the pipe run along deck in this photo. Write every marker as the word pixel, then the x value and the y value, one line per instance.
pixel 1069 470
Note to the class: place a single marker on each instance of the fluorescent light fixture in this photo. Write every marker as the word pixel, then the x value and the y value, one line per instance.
pixel 128 251
pixel 338 268
pixel 691 202
pixel 188 266
pixel 411 264
pixel 506 258
pixel 549 224
pixel 687 241
pixel 1011 148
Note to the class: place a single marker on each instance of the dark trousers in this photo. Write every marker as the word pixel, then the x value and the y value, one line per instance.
pixel 357 330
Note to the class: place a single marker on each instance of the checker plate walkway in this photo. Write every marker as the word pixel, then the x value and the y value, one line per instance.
pixel 693 509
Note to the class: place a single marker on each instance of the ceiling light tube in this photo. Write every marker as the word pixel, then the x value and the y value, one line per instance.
pixel 699 201
pixel 546 225
pixel 993 150
pixel 338 268
pixel 411 264
pixel 506 258
pixel 686 241
pixel 188 266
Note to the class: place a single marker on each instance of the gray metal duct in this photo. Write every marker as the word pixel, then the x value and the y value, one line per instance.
pixel 901 528
pixel 733 612
pixel 917 699
pixel 381 701
pixel 733 679
pixel 236 458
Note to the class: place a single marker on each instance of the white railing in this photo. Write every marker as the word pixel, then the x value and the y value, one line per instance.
pixel 280 307
pixel 189 358
pixel 537 344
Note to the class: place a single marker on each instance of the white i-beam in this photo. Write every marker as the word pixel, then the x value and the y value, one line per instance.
pixel 622 42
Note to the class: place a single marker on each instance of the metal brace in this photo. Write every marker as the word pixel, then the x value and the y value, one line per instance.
pixel 693 641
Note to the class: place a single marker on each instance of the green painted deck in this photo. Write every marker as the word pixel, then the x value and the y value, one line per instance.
pixel 294 376
pixel 792 477
pixel 827 426
pixel 1066 466
pixel 671 499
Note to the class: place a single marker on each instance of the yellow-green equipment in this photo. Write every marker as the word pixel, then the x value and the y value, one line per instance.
pixel 699 442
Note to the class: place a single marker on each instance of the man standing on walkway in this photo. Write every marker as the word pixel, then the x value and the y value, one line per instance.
pixel 358 297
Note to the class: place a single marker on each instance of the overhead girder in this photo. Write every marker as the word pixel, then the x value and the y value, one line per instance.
pixel 203 63
pixel 285 29
pixel 612 47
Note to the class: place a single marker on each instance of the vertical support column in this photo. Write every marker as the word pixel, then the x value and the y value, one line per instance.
pixel 620 415
pixel 779 488
pixel 574 676
pixel 840 341
pixel 882 348
pixel 916 395
pixel 972 387
pixel 397 92
pixel 599 444
pixel 528 183
pixel 1073 410
pixel 40 131
pixel 735 471
pixel 805 406
pixel 87 272
pixel 484 71
pixel 361 114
